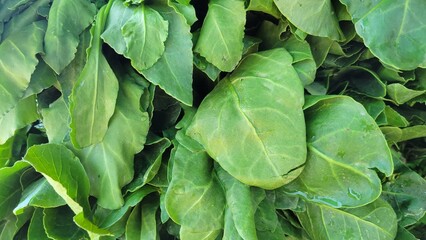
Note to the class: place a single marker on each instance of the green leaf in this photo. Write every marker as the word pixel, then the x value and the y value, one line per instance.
pixel 173 71
pixel 142 222
pixel 402 46
pixel 63 171
pixel 94 94
pixel 39 194
pixel 10 187
pixel 19 49
pixel 192 188
pixel 130 200
pixel 373 221
pixel 59 224
pixel 340 133
pixel 239 214
pixel 394 118
pixel 144 34
pixel 56 120
pixel 22 114
pixel 36 229
pixel 312 16
pixel 266 6
pixel 406 192
pixel 42 78
pixel 14 225
pixel 187 10
pixel 110 162
pixel 401 94
pixel 249 128
pixel 224 23
pixel 149 163
pixel 63 30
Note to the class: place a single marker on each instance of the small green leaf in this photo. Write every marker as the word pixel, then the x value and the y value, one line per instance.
pixel 315 17
pixel 224 23
pixel 59 224
pixel 63 30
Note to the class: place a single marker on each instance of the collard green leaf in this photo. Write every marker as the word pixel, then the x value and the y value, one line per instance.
pixel 192 188
pixel 249 128
pixel 36 229
pixel 344 145
pixel 63 171
pixel 39 194
pixel 19 49
pixel 406 192
pixel 24 18
pixel 130 200
pixel 95 92
pixel 144 34
pixel 373 221
pixel 110 163
pixel 63 30
pixel 266 6
pixel 187 10
pixel 149 163
pixel 56 120
pixel 142 223
pixel 22 114
pixel 240 212
pixel 10 187
pixel 59 224
pixel 317 18
pixel 402 46
pixel 42 78
pixel 12 228
pixel 224 22
pixel 173 71
pixel 401 94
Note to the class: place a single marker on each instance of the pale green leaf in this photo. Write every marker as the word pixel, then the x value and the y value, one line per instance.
pixel 312 16
pixel 402 46
pixel 56 120
pixel 144 34
pixel 401 94
pixel 142 222
pixel 94 94
pixel 22 114
pixel 110 162
pixel 266 6
pixel 373 221
pixel 192 188
pixel 224 23
pixel 173 71
pixel 18 51
pixel 249 128
pixel 67 19
pixel 344 146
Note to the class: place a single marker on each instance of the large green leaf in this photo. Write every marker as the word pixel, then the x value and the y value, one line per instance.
pixel 402 46
pixel 173 71
pixel 224 23
pixel 344 146
pixel 110 162
pixel 95 92
pixel 36 229
pixel 144 34
pixel 312 16
pixel 249 128
pixel 192 188
pixel 18 51
pixel 63 30
pixel 63 170
pixel 373 221
pixel 56 121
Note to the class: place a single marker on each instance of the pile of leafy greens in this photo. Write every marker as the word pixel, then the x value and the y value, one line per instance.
pixel 220 119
